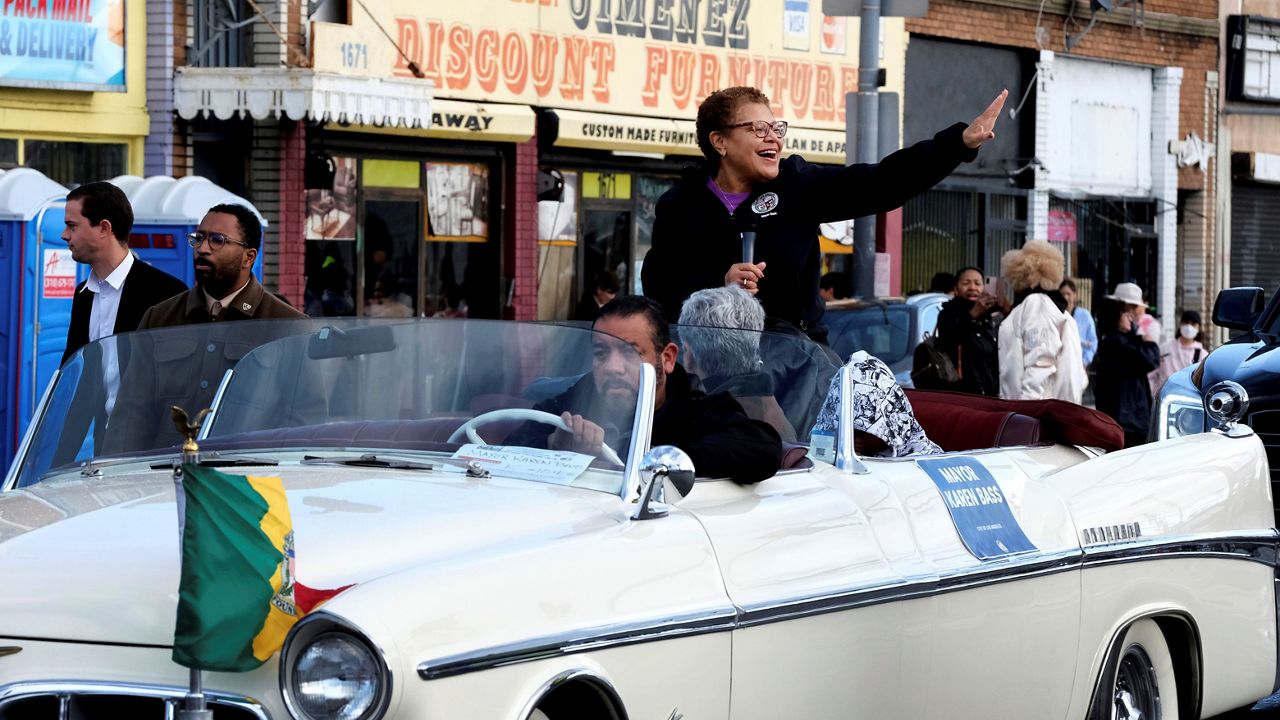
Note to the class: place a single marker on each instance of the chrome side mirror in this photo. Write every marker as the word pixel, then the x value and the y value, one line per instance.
pixel 663 463
pixel 1226 404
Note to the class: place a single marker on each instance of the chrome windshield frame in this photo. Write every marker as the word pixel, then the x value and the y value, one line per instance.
pixel 20 457
pixel 641 430
pixel 846 457
pixel 217 403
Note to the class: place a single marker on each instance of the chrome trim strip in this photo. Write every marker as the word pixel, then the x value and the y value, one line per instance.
pixel 577 673
pixel 11 477
pixel 67 688
pixel 1016 568
pixel 643 420
pixel 328 622
pixel 846 457
pixel 216 405
pixel 1275 588
pixel 567 643
pixel 1261 547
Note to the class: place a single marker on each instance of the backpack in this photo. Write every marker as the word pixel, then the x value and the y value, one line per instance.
pixel 931 366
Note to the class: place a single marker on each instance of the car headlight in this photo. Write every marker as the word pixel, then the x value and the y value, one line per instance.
pixel 329 671
pixel 1180 415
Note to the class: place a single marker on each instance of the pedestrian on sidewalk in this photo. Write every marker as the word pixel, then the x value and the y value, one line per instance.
pixel 1123 361
pixel 1040 356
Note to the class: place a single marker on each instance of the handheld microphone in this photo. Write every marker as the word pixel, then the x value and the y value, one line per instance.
pixel 749 240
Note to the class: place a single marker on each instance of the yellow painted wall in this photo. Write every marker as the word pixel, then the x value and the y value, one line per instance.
pixel 74 115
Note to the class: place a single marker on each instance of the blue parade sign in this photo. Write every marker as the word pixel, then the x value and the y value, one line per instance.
pixel 978 507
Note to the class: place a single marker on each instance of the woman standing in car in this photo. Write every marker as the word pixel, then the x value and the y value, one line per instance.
pixel 745 185
pixel 1124 358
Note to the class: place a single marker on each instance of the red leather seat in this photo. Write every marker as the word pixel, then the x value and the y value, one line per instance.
pixel 958 420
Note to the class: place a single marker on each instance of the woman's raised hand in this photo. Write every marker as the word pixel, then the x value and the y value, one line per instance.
pixel 983 127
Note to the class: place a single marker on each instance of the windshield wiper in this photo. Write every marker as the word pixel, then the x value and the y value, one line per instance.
pixel 220 461
pixel 366 460
pixel 473 468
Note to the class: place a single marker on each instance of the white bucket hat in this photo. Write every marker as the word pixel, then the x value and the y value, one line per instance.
pixel 1128 293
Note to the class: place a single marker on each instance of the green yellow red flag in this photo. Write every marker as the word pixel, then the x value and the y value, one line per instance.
pixel 236 597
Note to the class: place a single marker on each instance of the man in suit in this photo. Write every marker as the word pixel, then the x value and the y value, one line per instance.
pixel 187 361
pixel 226 243
pixel 120 288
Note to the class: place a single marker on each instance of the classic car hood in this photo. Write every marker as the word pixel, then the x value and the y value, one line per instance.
pixel 99 560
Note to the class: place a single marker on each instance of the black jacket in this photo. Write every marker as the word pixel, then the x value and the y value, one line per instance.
pixel 713 429
pixel 972 347
pixel 144 286
pixel 695 239
pixel 1121 388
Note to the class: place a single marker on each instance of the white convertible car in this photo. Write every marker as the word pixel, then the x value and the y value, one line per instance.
pixel 1024 576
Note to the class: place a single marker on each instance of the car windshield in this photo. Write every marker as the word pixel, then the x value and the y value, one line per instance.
pixel 283 390
pixel 882 330
pixel 321 386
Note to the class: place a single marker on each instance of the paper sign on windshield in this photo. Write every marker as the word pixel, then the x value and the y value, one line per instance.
pixel 978 507
pixel 522 463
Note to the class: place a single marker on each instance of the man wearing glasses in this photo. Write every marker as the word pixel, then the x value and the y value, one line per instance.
pixel 745 187
pixel 189 364
pixel 226 244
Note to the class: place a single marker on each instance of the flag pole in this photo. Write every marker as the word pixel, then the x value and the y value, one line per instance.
pixel 194 705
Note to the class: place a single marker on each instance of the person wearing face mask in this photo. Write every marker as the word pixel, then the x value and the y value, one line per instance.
pixel 1185 350
pixel 744 185
pixel 1123 361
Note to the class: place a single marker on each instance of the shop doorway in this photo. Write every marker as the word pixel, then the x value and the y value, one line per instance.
pixel 606 246
pixel 392 257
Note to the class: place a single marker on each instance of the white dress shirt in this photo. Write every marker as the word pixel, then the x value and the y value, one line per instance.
pixel 102 321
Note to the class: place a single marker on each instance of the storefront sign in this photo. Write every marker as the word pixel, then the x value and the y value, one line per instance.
pixel 1062 226
pixel 71 44
pixel 655 59
pixel 59 274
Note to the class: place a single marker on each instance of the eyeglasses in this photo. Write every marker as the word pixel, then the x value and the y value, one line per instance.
pixel 762 127
pixel 216 240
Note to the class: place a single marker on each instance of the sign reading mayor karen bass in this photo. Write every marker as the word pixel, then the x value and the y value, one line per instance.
pixel 978 507
pixel 653 59
pixel 62 44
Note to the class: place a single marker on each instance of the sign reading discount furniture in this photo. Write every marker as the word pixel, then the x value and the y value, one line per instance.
pixel 62 44
pixel 649 58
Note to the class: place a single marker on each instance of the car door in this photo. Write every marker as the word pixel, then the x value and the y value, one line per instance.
pixel 859 598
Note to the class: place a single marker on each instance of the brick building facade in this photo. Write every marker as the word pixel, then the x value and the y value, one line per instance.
pixel 1177 42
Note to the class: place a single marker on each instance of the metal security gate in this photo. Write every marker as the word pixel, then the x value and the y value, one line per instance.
pixel 1255 240
pixel 946 229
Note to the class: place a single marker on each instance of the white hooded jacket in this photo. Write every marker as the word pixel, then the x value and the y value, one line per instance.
pixel 1040 356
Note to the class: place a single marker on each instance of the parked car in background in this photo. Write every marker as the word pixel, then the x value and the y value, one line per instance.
pixel 889 328
pixel 1251 358
pixel 1024 572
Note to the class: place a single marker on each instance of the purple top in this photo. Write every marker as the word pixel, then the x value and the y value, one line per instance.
pixel 731 200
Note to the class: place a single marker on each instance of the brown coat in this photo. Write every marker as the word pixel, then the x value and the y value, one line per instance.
pixel 253 303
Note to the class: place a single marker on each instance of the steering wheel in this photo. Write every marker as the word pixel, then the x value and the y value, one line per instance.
pixel 469 428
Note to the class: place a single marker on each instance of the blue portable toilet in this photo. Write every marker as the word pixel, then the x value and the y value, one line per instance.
pixel 37 281
pixel 165 210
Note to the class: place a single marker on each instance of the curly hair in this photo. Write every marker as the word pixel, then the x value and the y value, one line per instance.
pixel 1034 265
pixel 716 112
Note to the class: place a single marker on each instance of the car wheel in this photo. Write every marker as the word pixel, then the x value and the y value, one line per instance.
pixel 1144 687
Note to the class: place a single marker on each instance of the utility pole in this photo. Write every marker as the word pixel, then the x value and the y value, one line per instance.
pixel 864 229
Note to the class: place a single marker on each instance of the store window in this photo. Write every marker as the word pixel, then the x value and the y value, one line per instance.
pixel 8 152
pixel 75 163
pixel 331 243
pixel 557 245
pixel 459 254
